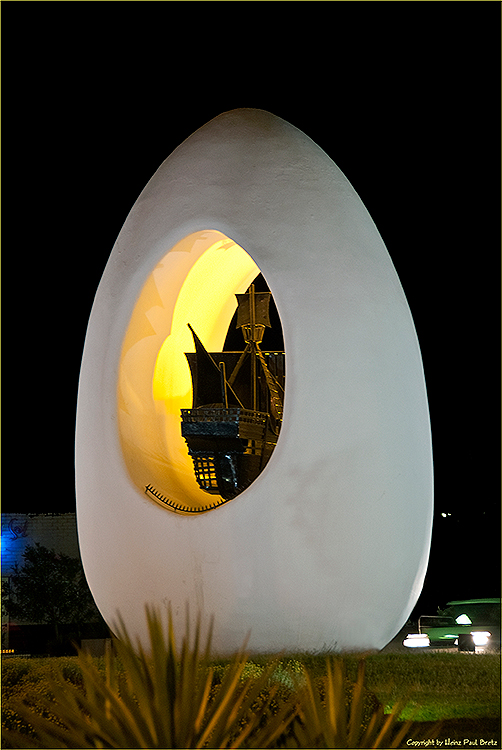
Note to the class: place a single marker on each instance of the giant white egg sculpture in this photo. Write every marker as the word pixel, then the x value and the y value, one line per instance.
pixel 328 547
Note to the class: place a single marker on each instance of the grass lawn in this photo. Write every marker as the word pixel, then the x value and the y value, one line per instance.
pixel 437 685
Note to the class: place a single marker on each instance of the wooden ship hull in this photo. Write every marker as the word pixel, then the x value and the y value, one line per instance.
pixel 227 447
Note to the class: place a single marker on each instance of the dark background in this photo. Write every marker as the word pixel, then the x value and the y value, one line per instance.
pixel 404 97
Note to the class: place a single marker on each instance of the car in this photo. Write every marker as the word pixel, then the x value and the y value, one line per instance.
pixel 467 624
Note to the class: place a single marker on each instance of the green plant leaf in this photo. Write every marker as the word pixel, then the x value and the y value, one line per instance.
pixel 163 697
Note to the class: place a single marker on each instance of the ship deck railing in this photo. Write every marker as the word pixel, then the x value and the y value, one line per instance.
pixel 231 414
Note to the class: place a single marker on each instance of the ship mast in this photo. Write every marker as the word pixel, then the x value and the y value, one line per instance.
pixel 252 317
pixel 253 341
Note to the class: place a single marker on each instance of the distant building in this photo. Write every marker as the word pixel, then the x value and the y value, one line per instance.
pixel 57 531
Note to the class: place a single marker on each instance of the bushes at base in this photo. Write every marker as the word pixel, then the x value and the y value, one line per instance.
pixel 172 697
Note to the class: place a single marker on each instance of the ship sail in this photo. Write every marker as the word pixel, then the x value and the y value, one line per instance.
pixel 260 313
pixel 207 384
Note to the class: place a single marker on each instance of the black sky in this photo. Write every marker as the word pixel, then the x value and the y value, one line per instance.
pixel 404 97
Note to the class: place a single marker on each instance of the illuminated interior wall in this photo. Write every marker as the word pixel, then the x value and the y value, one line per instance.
pixel 195 282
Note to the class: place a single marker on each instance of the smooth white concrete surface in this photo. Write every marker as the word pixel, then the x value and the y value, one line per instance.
pixel 330 544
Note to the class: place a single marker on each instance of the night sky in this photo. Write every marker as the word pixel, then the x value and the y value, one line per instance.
pixel 404 97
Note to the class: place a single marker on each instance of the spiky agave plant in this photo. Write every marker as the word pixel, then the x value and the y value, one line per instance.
pixel 161 698
pixel 327 720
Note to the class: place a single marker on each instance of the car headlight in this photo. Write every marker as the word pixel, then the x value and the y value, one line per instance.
pixel 481 637
pixel 416 640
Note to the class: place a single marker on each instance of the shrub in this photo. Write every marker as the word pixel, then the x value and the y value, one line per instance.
pixel 27 680
pixel 163 699
pixel 335 714
pixel 49 588
pixel 170 697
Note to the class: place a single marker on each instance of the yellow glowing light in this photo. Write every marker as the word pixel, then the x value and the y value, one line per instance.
pixel 196 283
pixel 204 301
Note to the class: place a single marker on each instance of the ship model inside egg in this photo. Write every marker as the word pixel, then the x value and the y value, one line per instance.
pixel 235 420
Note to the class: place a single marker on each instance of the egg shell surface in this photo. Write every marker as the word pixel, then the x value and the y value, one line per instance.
pixel 329 546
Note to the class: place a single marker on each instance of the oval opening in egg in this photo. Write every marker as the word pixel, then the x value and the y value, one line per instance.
pixel 201 376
